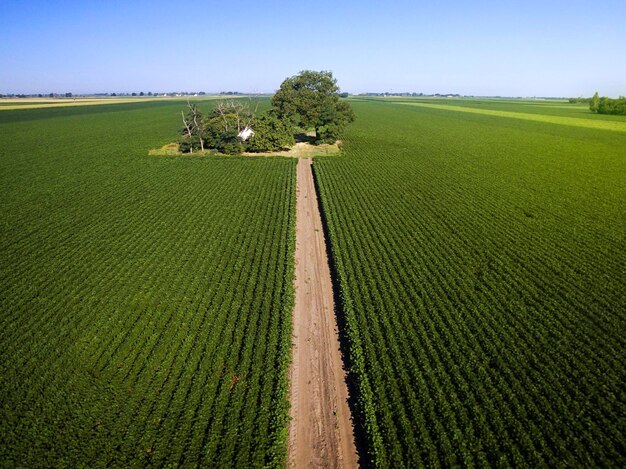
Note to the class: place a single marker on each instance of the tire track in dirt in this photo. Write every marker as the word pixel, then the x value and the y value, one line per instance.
pixel 320 432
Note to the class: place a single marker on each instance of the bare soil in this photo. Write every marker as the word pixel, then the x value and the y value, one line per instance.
pixel 299 150
pixel 321 431
pixel 304 150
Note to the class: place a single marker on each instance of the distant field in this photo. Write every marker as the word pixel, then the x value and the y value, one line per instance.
pixel 40 103
pixel 145 302
pixel 541 107
pixel 481 265
pixel 12 104
pixel 618 125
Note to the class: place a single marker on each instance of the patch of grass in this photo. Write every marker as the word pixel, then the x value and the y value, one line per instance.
pixel 171 149
pixel 305 150
pixel 299 150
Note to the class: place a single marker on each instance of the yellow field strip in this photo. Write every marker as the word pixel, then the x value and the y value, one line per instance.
pixel 39 104
pixel 68 103
pixel 616 126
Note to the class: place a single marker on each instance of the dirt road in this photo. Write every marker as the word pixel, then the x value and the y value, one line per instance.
pixel 320 433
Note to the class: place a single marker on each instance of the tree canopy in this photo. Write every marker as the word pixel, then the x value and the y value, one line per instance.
pixel 310 100
pixel 604 105
pixel 270 134
pixel 594 102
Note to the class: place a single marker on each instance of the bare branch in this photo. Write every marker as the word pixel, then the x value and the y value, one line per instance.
pixel 198 128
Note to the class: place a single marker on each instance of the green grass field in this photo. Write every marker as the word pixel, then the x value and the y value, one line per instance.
pixel 481 264
pixel 145 301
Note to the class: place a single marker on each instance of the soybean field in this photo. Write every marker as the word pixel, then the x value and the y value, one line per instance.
pixel 480 262
pixel 477 249
pixel 146 302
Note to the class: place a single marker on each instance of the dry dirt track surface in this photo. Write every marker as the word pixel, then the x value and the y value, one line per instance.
pixel 320 432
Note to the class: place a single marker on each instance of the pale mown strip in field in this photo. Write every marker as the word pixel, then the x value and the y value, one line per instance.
pixel 571 121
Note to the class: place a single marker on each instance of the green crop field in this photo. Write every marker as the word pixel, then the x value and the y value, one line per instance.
pixel 477 246
pixel 145 302
pixel 481 264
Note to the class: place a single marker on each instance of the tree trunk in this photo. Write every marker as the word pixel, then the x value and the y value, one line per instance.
pixel 188 132
pixel 198 129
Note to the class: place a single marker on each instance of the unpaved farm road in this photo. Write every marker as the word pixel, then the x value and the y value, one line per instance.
pixel 320 432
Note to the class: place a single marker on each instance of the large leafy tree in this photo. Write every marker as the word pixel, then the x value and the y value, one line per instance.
pixel 311 100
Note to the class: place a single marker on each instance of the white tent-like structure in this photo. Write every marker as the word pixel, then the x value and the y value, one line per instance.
pixel 246 133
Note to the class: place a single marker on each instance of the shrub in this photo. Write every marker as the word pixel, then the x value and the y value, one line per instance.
pixel 270 134
pixel 229 143
pixel 185 144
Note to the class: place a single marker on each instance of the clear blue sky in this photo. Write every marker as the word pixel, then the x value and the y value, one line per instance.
pixel 499 47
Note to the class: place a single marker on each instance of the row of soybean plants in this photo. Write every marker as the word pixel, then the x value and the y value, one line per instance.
pixel 473 337
pixel 165 314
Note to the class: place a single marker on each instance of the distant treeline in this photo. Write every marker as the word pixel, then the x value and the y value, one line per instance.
pixel 603 105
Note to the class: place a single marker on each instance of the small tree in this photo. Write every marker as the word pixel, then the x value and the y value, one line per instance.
pixel 222 126
pixel 594 103
pixel 333 121
pixel 270 134
pixel 194 129
pixel 186 143
pixel 229 143
pixel 236 114
pixel 220 132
